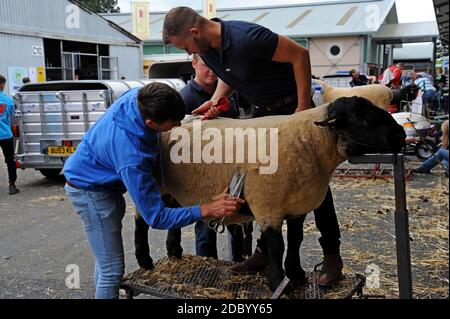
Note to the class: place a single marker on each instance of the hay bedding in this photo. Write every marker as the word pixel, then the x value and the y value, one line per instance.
pixel 365 209
pixel 190 276
pixel 366 213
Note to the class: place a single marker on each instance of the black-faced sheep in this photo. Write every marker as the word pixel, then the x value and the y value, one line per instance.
pixel 311 144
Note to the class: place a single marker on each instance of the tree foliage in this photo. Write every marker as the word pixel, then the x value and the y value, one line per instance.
pixel 101 6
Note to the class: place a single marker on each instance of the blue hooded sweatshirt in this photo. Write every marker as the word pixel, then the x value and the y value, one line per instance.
pixel 6 111
pixel 117 154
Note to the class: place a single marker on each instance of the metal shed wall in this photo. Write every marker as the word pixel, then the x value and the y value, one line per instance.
pixel 130 61
pixel 59 19
pixel 16 51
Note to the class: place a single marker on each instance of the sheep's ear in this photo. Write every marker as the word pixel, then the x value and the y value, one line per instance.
pixel 329 122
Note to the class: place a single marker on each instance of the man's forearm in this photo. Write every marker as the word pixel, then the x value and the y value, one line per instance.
pixel 222 89
pixel 302 71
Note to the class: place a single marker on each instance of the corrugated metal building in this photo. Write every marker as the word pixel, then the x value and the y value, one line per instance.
pixel 62 40
pixel 340 35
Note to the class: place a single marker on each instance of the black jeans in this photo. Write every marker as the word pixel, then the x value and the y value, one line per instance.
pixel 325 215
pixel 8 151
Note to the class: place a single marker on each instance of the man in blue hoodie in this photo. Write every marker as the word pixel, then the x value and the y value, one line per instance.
pixel 6 136
pixel 117 155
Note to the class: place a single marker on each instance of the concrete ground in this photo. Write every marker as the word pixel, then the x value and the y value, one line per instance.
pixel 40 236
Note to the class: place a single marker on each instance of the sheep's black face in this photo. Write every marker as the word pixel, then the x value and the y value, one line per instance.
pixel 365 127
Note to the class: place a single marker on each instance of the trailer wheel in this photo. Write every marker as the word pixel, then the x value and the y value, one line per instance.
pixel 51 173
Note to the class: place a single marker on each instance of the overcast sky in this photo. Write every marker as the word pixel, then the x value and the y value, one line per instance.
pixel 408 10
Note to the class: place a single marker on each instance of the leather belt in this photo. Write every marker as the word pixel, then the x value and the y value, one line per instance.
pixel 73 186
pixel 280 103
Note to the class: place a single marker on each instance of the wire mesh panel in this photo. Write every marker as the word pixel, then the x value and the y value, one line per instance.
pixel 195 277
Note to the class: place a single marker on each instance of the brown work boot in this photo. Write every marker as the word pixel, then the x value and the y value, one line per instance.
pixel 331 270
pixel 255 262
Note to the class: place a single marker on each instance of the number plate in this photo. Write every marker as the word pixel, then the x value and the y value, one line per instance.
pixel 60 151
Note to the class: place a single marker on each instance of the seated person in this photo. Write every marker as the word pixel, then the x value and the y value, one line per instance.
pixel 441 156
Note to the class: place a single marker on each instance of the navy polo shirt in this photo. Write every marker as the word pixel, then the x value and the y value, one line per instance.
pixel 194 95
pixel 244 62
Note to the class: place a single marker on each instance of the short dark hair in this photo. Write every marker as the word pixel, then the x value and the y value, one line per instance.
pixel 2 79
pixel 26 80
pixel 179 20
pixel 161 103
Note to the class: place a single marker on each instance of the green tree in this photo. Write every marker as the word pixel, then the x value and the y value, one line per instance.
pixel 101 6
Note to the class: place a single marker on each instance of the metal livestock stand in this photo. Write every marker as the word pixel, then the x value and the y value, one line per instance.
pixel 401 217
pixel 213 273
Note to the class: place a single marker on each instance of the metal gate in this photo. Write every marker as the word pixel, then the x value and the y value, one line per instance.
pixel 109 68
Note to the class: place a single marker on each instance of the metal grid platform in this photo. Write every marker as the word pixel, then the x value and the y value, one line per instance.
pixel 368 171
pixel 195 277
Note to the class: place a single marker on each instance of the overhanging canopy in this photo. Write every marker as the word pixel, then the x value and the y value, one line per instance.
pixel 407 33
pixel 441 10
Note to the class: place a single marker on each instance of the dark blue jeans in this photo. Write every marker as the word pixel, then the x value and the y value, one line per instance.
pixel 240 240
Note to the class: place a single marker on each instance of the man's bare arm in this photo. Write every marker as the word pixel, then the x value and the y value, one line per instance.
pixel 290 51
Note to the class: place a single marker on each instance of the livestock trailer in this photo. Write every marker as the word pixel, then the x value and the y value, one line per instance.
pixel 51 118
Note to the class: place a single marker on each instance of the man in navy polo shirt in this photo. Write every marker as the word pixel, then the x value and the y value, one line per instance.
pixel 273 73
pixel 198 91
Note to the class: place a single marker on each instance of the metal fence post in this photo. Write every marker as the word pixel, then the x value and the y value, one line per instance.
pixel 402 230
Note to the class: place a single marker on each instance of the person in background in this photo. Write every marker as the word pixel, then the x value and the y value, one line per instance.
pixel 441 79
pixel 358 79
pixel 441 156
pixel 6 136
pixel 392 76
pixel 407 79
pixel 26 80
pixel 428 90
pixel 198 91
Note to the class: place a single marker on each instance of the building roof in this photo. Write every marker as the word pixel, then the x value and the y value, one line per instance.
pixel 414 52
pixel 407 33
pixel 441 10
pixel 349 17
pixel 63 20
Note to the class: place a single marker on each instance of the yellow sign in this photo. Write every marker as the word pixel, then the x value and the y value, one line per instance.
pixel 141 22
pixel 209 8
pixel 40 74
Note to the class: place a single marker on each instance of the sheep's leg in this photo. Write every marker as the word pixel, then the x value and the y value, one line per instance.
pixel 142 250
pixel 292 264
pixel 273 240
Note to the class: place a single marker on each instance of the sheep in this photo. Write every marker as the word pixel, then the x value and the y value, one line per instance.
pixel 312 144
pixel 378 94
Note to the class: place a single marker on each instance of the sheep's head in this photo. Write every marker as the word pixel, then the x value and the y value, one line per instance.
pixel 363 127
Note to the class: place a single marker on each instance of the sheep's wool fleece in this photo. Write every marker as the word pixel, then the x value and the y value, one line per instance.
pixel 378 94
pixel 307 157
